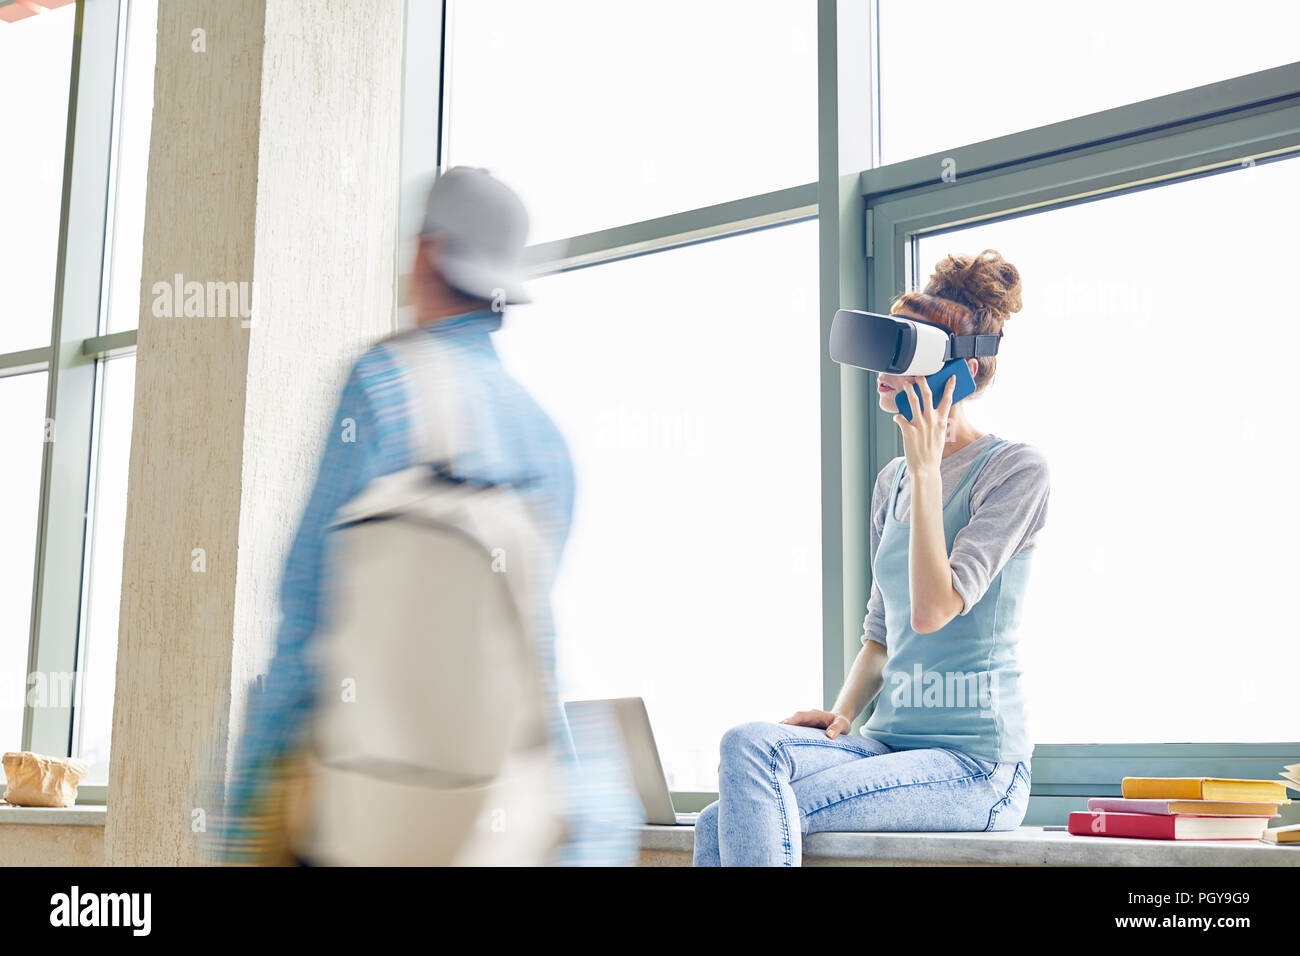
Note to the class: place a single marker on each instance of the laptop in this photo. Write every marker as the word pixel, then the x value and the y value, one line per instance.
pixel 588 718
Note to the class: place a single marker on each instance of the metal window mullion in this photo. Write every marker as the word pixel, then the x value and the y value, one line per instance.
pixel 1153 118
pixel 114 156
pixel 70 397
pixel 107 346
pixel 27 360
pixel 86 594
pixel 1120 167
pixel 846 106
pixel 706 223
pixel 423 85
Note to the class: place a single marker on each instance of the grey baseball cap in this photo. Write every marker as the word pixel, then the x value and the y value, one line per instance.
pixel 484 227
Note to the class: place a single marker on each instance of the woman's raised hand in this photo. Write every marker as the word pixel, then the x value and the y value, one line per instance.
pixel 833 723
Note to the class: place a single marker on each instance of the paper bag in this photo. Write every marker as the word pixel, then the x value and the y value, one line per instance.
pixel 35 780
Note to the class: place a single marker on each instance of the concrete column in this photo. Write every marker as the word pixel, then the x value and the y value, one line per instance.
pixel 273 164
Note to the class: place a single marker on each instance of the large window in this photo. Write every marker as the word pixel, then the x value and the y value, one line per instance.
pixel 1156 241
pixel 670 151
pixel 35 66
pixel 686 383
pixel 71 280
pixel 115 392
pixel 1138 367
pixel 689 393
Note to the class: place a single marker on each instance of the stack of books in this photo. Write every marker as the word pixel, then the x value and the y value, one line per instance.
pixel 1291 775
pixel 1289 834
pixel 1184 808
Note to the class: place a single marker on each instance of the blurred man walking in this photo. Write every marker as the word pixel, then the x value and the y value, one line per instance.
pixel 467 269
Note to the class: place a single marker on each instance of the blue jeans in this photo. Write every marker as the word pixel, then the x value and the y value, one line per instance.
pixel 777 782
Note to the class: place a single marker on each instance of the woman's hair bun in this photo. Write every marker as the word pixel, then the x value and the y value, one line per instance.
pixel 986 284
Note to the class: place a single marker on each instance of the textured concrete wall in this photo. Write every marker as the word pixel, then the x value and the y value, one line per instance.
pixel 44 844
pixel 325 233
pixel 173 661
pixel 273 161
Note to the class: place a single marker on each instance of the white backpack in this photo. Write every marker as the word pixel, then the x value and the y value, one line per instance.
pixel 431 744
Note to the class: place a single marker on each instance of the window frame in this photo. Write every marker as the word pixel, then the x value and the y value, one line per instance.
pixel 72 360
pixel 1202 131
pixel 425 119
pixel 1199 131
pixel 869 216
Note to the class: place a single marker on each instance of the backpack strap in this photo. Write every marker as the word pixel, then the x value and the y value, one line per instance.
pixel 432 434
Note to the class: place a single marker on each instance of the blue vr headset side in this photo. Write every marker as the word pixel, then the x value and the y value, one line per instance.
pixel 900 345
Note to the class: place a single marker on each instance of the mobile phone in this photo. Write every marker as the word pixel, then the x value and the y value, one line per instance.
pixel 965 386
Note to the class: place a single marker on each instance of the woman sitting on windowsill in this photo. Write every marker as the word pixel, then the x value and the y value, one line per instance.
pixel 946 747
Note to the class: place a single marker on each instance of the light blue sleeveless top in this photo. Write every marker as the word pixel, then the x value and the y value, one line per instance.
pixel 958 687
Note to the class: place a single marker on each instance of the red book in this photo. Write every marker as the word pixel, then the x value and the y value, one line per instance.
pixel 1165 826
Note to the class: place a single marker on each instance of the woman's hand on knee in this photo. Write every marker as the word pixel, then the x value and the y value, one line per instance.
pixel 834 724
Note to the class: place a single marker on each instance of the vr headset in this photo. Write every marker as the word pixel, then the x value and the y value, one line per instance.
pixel 898 345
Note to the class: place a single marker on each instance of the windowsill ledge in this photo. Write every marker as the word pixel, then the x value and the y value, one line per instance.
pixel 82 815
pixel 1026 846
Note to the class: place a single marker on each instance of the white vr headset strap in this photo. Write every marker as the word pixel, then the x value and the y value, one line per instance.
pixel 931 348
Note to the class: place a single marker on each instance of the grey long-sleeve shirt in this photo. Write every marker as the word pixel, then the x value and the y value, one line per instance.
pixel 1008 507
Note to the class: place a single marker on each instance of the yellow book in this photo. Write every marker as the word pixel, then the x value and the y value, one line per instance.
pixel 1223 808
pixel 1289 834
pixel 1204 788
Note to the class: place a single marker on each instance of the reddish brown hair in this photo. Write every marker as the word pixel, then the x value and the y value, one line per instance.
pixel 968 295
